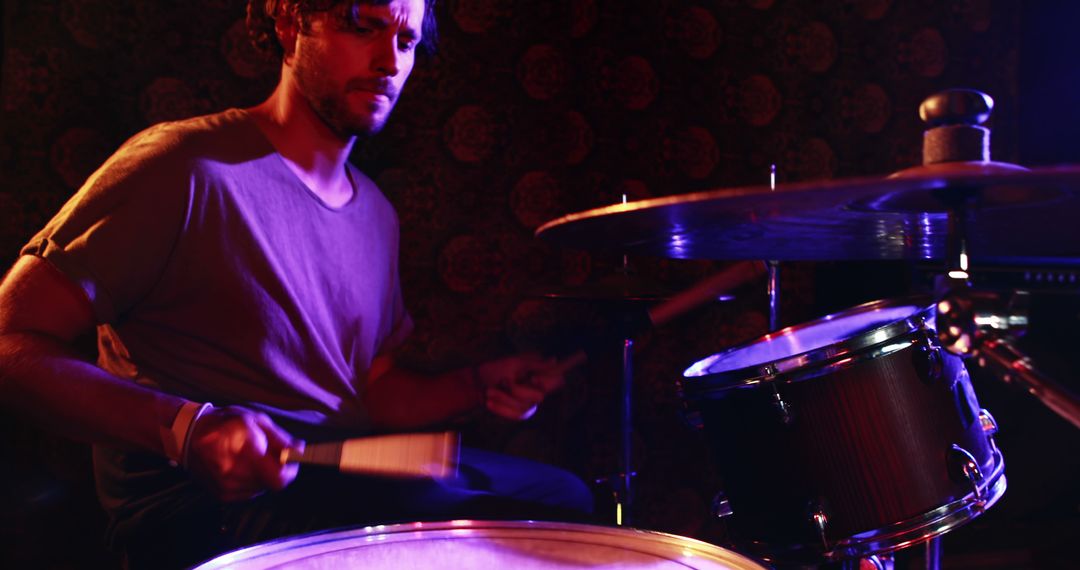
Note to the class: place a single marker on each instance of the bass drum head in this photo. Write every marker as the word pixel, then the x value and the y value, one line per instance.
pixel 466 545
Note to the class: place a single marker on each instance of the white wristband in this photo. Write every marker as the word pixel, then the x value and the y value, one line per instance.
pixel 176 440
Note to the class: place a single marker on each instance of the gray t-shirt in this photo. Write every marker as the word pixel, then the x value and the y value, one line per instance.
pixel 217 275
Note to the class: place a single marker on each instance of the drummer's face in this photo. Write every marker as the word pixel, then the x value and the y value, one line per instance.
pixel 351 64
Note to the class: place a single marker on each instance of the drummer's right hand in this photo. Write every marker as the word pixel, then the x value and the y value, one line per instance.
pixel 236 453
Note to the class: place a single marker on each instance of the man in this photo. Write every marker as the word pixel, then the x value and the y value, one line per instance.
pixel 243 280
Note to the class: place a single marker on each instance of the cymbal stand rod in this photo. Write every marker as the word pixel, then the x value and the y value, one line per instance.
pixel 622 486
pixel 625 257
pixel 773 267
pixel 622 491
pixel 956 246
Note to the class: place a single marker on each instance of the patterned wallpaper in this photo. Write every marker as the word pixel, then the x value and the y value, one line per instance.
pixel 533 109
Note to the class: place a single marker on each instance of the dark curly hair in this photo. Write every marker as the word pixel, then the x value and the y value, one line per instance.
pixel 262 13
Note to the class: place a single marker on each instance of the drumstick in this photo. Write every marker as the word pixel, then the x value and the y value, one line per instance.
pixel 411 455
pixel 731 277
pixel 707 289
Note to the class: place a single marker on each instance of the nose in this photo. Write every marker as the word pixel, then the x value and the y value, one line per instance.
pixel 385 58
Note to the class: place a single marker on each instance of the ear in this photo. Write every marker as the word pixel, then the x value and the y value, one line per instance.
pixel 287 28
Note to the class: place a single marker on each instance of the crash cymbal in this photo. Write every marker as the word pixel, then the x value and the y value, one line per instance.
pixel 1012 215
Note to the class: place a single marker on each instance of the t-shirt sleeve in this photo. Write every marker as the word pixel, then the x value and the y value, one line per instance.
pixel 114 237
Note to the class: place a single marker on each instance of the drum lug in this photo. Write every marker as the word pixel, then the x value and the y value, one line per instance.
pixel 927 358
pixel 778 402
pixel 721 507
pixel 781 406
pixel 988 423
pixel 962 465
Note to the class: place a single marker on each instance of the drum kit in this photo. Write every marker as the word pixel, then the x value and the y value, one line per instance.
pixel 840 441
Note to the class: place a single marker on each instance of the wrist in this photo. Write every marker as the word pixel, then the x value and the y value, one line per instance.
pixel 176 441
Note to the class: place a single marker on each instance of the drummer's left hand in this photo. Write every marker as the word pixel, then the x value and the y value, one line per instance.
pixel 513 387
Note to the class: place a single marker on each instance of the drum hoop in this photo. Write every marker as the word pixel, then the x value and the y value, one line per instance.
pixel 806 365
pixel 930 524
pixel 462 529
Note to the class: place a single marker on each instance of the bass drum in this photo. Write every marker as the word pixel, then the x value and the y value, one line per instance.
pixel 847 436
pixel 467 545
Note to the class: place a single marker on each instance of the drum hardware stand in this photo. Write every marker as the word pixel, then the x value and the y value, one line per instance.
pixel 621 480
pixel 931 366
pixel 977 325
pixel 773 267
pixel 622 485
pixel 933 553
pixel 973 324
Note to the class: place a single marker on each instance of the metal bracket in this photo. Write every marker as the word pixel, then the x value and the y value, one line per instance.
pixel 963 463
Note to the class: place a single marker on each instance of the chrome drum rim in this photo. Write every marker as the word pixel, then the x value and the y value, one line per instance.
pixel 709 376
pixel 928 525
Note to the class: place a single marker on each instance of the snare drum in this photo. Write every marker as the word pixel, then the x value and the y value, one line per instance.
pixel 847 436
pixel 467 545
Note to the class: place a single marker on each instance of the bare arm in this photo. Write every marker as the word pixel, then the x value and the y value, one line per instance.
pixel 233 450
pixel 41 314
pixel 510 387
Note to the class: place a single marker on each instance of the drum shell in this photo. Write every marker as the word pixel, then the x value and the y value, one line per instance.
pixel 866 443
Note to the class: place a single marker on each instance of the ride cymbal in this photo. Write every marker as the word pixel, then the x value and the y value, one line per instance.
pixel 1011 215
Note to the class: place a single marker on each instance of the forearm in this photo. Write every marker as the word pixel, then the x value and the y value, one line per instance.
pixel 41 379
pixel 403 399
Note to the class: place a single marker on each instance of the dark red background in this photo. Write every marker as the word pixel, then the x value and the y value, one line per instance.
pixel 528 111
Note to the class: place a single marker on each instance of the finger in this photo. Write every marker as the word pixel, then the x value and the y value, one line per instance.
pixel 279 440
pixel 501 404
pixel 547 382
pixel 524 392
pixel 268 468
pixel 511 411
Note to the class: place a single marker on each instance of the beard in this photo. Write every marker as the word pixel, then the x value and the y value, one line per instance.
pixel 329 100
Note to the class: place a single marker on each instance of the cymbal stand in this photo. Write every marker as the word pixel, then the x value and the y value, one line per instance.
pixel 623 495
pixel 983 327
pixel 622 485
pixel 773 268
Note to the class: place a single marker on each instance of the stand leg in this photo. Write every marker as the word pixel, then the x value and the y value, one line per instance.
pixel 933 553
pixel 622 493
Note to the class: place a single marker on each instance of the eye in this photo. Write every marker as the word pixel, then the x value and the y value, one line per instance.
pixel 351 22
pixel 406 46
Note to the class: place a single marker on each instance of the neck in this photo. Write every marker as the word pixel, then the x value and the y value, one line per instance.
pixel 311 149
